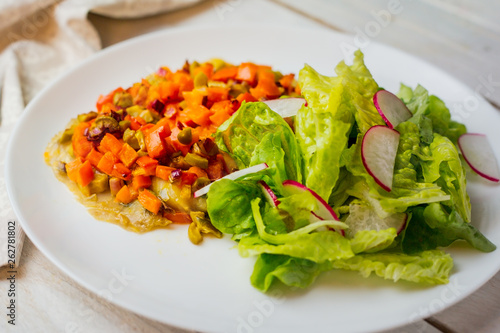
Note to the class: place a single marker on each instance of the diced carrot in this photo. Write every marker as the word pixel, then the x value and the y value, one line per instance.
pixel 188 178
pixel 216 94
pixel 198 171
pixel 141 181
pixel 297 90
pixel 221 112
pixel 155 141
pixel 128 155
pixel 94 157
pixel 266 86
pixel 149 201
pixel 121 171
pixel 81 146
pixel 184 80
pixel 136 122
pixel 164 172
pixel 206 68
pixel 110 143
pixel 287 80
pixel 193 98
pixel 85 174
pixel 225 73
pixel 215 168
pixel 148 164
pixel 106 163
pixel 199 114
pixel 163 122
pixel 169 90
pixel 171 110
pixel 72 168
pixel 125 195
pixel 134 89
pixel 146 129
pixel 107 98
pixel 145 82
pixel 247 97
pixel 178 217
pixel 175 145
pixel 247 72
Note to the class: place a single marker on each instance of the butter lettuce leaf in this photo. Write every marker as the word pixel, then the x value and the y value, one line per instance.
pixel 335 106
pixel 373 240
pixel 428 267
pixel 408 188
pixel 433 226
pixel 255 134
pixel 446 170
pixel 430 114
pixel 292 272
pixel 228 205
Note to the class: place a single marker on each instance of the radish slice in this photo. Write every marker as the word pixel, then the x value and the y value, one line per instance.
pixel 286 107
pixel 269 194
pixel 233 176
pixel 478 153
pixel 378 152
pixel 391 108
pixel 361 217
pixel 323 212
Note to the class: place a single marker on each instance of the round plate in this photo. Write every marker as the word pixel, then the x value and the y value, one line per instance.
pixel 160 274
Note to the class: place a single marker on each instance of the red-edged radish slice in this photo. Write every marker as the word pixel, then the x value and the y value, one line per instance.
pixel 391 108
pixel 378 152
pixel 269 194
pixel 286 107
pixel 478 153
pixel 233 176
pixel 361 217
pixel 324 211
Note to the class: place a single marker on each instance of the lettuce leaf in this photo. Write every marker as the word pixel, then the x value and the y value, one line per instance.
pixel 292 272
pixel 407 188
pixel 318 247
pixel 228 206
pixel 255 134
pixel 430 114
pixel 446 170
pixel 429 267
pixel 432 226
pixel 373 240
pixel 335 105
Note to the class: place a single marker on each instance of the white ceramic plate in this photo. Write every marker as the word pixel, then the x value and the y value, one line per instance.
pixel 163 276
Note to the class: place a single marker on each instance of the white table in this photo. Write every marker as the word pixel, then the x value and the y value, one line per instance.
pixel 460 36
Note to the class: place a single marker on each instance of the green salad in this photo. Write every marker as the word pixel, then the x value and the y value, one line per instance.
pixel 317 164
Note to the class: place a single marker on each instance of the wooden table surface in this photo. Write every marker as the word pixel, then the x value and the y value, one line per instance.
pixel 460 36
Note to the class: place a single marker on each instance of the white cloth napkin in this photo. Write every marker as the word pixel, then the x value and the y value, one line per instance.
pixel 40 40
